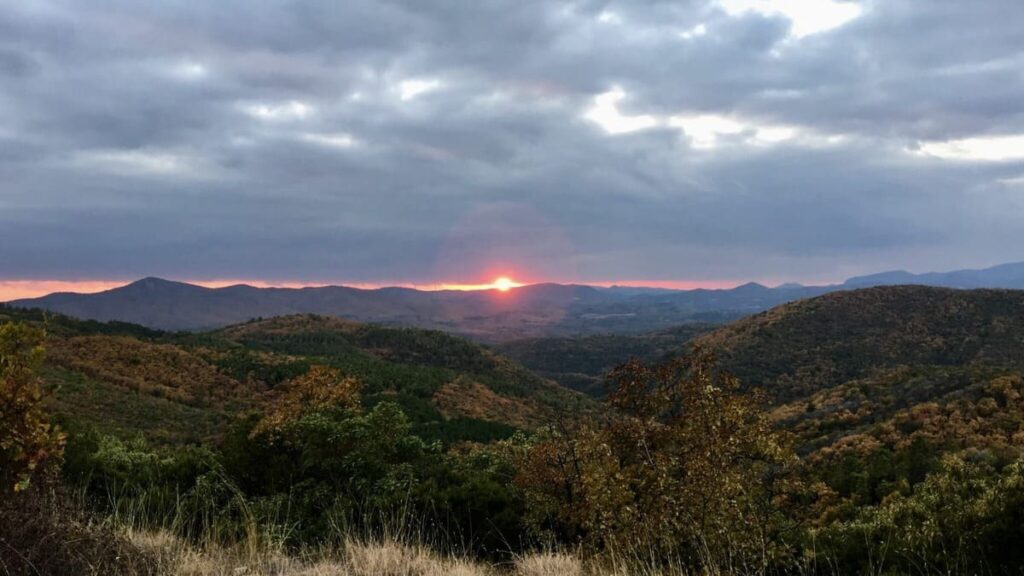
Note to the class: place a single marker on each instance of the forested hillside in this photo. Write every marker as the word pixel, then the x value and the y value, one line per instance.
pixel 180 387
pixel 878 430
pixel 929 363
pixel 881 387
pixel 803 347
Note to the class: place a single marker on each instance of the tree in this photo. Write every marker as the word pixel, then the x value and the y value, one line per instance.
pixel 967 517
pixel 318 389
pixel 334 463
pixel 683 467
pixel 27 439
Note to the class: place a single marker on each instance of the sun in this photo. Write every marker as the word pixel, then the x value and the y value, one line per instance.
pixel 504 284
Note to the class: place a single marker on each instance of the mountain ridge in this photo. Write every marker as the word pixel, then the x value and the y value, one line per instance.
pixel 535 310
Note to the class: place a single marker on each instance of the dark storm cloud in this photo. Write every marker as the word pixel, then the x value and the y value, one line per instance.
pixel 417 141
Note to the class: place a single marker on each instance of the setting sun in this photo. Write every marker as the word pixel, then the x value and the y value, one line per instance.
pixel 504 284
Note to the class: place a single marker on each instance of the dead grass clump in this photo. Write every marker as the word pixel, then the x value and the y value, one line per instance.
pixel 174 557
pixel 355 559
pixel 43 532
pixel 548 564
pixel 394 559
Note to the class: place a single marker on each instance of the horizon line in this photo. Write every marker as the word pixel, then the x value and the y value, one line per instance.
pixel 19 289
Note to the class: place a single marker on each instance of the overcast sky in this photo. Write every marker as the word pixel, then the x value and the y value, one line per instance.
pixel 432 141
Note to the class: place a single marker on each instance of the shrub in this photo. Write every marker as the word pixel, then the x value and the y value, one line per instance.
pixel 27 439
pixel 684 469
pixel 965 518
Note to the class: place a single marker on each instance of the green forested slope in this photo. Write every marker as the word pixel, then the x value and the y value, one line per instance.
pixel 177 387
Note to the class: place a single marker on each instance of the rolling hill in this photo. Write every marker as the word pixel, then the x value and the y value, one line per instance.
pixel 800 347
pixel 834 366
pixel 186 387
pixel 805 346
pixel 888 372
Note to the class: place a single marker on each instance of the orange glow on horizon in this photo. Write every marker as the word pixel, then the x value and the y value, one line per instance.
pixel 502 284
pixel 18 289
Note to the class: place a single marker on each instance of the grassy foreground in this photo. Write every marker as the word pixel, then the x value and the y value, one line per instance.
pixel 356 558
pixel 54 534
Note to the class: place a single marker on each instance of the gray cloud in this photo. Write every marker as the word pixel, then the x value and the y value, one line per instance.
pixel 430 141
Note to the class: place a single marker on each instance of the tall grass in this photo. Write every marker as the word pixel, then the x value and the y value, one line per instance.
pixel 378 558
pixel 234 538
pixel 216 530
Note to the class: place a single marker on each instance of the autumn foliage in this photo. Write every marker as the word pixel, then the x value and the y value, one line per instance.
pixel 319 389
pixel 27 439
pixel 684 468
pixel 905 406
pixel 159 369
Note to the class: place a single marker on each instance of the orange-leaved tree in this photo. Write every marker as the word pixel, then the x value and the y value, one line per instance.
pixel 319 388
pixel 683 469
pixel 27 438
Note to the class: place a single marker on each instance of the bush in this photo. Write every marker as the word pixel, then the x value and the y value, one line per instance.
pixel 27 439
pixel 685 469
pixel 142 486
pixel 965 518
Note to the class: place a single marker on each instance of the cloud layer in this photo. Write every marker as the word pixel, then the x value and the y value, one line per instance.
pixel 442 141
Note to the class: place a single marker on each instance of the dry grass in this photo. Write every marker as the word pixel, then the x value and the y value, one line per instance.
pixel 398 560
pixel 549 564
pixel 43 532
pixel 175 557
pixel 356 558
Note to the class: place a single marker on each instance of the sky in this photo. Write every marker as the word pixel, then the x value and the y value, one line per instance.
pixel 444 142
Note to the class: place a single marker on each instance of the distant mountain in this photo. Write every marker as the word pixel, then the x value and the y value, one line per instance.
pixel 1002 276
pixel 539 310
pixel 528 311
pixel 163 304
